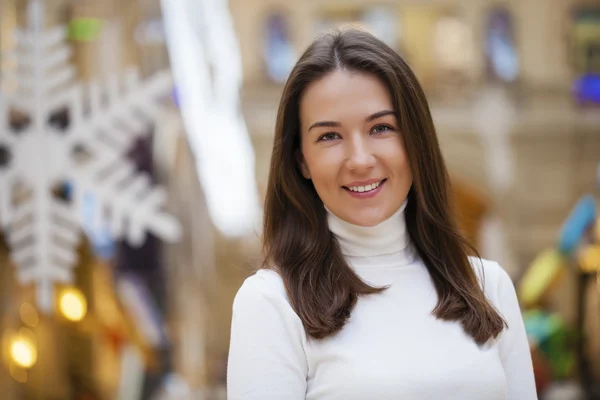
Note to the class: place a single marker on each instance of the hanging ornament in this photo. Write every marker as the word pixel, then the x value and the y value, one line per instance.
pixel 581 218
pixel 543 272
pixel 88 152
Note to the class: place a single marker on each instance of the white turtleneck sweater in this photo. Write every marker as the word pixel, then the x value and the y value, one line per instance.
pixel 392 347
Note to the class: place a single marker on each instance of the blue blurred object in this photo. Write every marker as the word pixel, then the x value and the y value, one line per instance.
pixel 141 306
pixel 586 89
pixel 501 54
pixel 96 229
pixel 580 219
pixel 503 58
pixel 175 97
pixel 279 53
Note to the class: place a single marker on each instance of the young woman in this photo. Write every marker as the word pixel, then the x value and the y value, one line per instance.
pixel 367 291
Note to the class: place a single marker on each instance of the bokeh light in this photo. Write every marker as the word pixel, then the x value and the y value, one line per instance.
pixel 23 349
pixel 72 304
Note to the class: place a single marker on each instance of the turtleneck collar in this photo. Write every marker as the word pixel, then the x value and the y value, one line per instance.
pixel 388 237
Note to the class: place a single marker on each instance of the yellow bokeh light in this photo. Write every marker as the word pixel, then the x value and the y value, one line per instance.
pixel 73 304
pixel 23 351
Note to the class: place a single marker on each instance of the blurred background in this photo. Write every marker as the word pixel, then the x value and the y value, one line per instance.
pixel 135 139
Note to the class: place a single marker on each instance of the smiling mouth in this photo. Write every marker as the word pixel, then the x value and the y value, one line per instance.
pixel 365 188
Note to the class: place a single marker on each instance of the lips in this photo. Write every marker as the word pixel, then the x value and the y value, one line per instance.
pixel 364 186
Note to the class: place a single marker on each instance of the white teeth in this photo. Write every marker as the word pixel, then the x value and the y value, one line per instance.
pixel 366 188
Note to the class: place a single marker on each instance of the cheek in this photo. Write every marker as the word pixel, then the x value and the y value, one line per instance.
pixel 322 176
pixel 406 171
pixel 403 164
pixel 396 158
pixel 323 167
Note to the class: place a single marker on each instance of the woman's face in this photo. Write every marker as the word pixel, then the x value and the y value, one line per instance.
pixel 352 147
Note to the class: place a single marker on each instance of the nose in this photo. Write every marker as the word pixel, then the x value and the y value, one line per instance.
pixel 360 154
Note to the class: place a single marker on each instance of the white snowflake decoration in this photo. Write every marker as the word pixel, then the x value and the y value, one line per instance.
pixel 43 230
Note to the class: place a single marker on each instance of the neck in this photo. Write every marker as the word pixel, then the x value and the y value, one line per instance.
pixel 388 237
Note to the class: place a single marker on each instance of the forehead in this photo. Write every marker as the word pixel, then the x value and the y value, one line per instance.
pixel 344 95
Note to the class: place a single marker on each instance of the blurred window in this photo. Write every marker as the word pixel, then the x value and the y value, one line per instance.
pixel 453 45
pixel 585 40
pixel 279 54
pixel 502 61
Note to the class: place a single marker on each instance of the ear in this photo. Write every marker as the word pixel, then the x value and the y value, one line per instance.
pixel 302 164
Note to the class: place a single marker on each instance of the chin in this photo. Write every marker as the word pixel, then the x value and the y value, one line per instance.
pixel 366 219
pixel 367 224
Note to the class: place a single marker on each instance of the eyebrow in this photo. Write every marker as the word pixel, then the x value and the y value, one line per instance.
pixel 335 124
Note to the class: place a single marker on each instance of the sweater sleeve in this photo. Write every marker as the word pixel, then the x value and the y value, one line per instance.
pixel 513 345
pixel 266 353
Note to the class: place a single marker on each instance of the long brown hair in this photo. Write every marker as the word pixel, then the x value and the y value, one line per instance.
pixel 322 288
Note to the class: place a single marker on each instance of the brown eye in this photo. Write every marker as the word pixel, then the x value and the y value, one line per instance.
pixel 378 129
pixel 328 137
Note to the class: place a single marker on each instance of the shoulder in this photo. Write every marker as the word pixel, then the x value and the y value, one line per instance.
pixel 263 286
pixel 262 305
pixel 494 280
